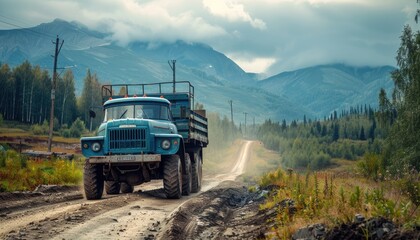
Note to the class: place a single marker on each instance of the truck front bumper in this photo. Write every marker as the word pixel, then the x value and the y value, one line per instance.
pixel 142 158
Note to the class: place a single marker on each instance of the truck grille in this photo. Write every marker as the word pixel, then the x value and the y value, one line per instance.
pixel 134 138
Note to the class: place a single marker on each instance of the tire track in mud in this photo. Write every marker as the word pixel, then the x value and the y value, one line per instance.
pixel 224 210
pixel 142 214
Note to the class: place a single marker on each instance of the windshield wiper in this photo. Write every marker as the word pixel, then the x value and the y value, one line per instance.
pixel 123 113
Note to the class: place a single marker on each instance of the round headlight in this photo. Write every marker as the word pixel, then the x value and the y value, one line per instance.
pixel 96 147
pixel 166 144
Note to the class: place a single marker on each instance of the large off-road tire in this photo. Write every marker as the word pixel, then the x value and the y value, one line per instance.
pixel 112 187
pixel 126 188
pixel 187 177
pixel 93 181
pixel 197 173
pixel 172 177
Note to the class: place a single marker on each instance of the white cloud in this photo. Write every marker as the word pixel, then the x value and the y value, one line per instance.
pixel 253 65
pixel 232 11
pixel 133 20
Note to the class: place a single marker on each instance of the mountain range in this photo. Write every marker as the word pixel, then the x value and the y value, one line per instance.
pixel 314 91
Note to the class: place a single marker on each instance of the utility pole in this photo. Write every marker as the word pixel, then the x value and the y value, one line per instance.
pixel 173 72
pixel 231 111
pixel 245 113
pixel 53 87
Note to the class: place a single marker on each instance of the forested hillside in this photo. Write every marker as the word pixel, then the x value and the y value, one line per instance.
pixel 325 88
pixel 27 97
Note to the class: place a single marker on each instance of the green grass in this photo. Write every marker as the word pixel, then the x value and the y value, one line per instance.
pixel 17 173
pixel 333 196
pixel 15 125
pixel 11 130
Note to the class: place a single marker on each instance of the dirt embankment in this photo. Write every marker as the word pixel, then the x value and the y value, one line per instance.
pixel 227 211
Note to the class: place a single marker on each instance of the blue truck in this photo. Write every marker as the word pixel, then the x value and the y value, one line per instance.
pixel 148 132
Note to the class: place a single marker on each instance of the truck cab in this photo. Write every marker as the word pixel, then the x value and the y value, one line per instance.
pixel 144 138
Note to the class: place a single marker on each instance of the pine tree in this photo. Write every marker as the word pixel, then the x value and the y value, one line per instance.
pixel 336 131
pixel 324 130
pixel 362 135
pixel 371 134
pixel 283 125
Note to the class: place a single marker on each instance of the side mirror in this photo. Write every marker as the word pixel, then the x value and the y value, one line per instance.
pixel 92 114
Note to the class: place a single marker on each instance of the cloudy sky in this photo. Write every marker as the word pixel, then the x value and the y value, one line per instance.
pixel 263 36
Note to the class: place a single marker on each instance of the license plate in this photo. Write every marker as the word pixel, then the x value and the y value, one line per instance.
pixel 126 158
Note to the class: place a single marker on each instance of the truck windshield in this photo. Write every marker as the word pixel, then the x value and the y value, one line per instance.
pixel 140 111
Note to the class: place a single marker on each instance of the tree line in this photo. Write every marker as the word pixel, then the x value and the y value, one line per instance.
pixel 400 114
pixel 313 143
pixel 26 96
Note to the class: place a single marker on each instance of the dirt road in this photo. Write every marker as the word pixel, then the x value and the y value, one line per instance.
pixel 54 214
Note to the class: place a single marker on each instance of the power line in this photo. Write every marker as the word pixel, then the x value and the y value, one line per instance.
pixel 18 23
pixel 26 29
pixel 13 19
pixel 29 29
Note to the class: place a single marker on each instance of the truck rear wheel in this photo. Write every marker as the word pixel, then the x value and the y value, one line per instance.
pixel 172 177
pixel 187 177
pixel 197 173
pixel 93 181
pixel 126 188
pixel 112 187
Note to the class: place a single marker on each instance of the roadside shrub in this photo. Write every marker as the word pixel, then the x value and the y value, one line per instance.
pixel 355 198
pixel 410 185
pixel 2 159
pixel 43 129
pixel 77 128
pixel 1 119
pixel 37 129
pixel 67 172
pixel 370 166
pixel 65 131
pixel 320 160
pixel 274 177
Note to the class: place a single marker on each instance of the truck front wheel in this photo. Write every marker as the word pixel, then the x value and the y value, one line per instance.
pixel 172 177
pixel 197 173
pixel 93 181
pixel 112 187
